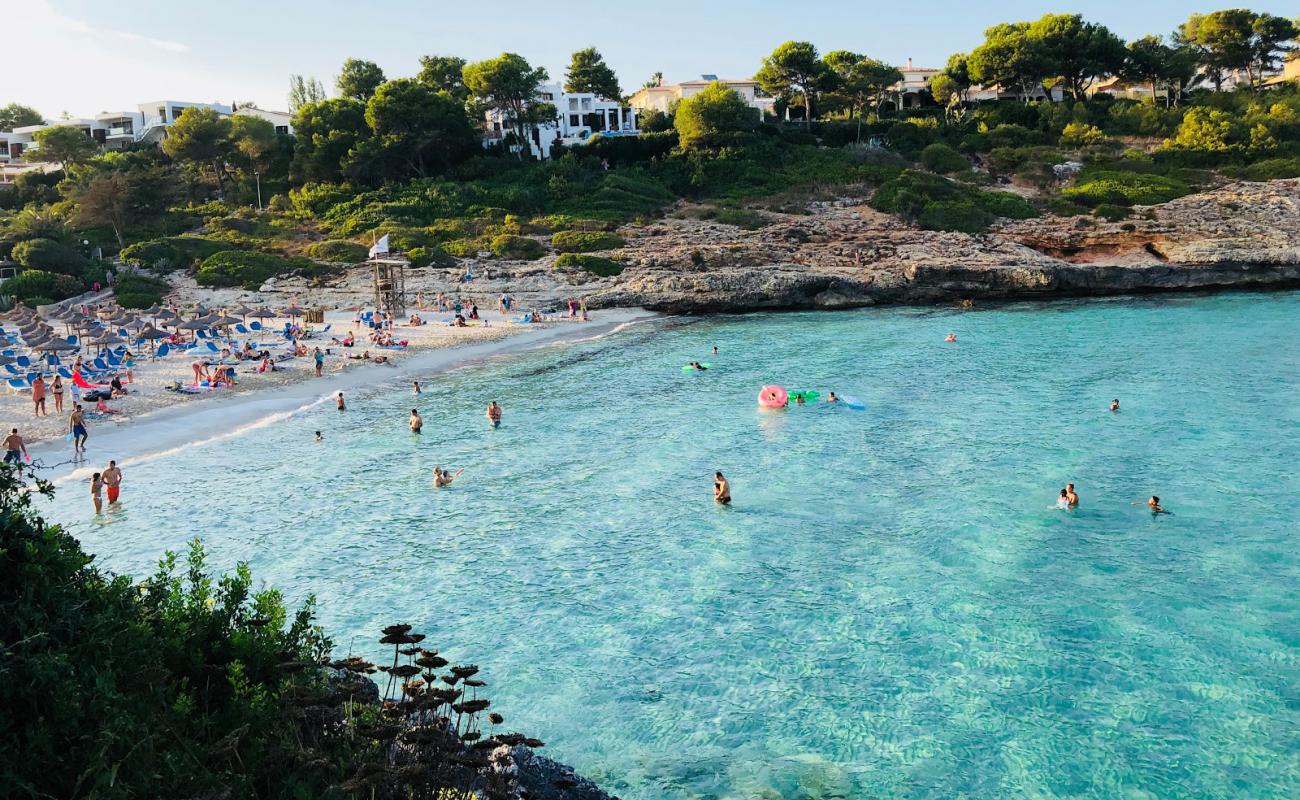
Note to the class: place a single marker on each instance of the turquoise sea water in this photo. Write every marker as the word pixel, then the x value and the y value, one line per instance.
pixel 892 608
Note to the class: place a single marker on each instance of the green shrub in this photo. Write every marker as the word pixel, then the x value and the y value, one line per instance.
pixel 232 223
pixel 1015 136
pixel 138 291
pixel 1078 134
pixel 49 255
pixel 631 149
pixel 171 253
pixel 1111 212
pixel 33 286
pixel 943 159
pixel 338 250
pixel 596 265
pixel 551 223
pixel 431 256
pixel 1272 169
pixel 248 269
pixel 1064 208
pixel 1095 187
pixel 516 247
pixel 465 248
pixel 965 208
pixel 955 215
pixel 585 241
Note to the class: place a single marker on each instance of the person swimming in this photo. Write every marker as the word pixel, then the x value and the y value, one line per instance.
pixel 416 422
pixel 1071 495
pixel 442 477
pixel 798 399
pixel 494 414
pixel 832 398
pixel 715 350
pixel 952 337
pixel 319 437
pixel 698 366
pixel 721 489
pixel 1114 404
pixel 1064 500
pixel 1153 503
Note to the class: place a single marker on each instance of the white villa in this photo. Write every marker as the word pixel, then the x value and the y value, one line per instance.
pixel 664 96
pixel 579 115
pixel 282 120
pixel 112 130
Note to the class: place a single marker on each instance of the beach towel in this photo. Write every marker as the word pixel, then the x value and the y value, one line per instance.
pixel 77 380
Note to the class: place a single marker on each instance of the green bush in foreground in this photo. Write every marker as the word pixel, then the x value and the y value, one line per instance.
pixel 945 215
pixel 585 241
pixel 596 265
pixel 432 256
pixel 247 269
pixel 338 250
pixel 1124 189
pixel 1272 169
pixel 187 685
pixel 171 253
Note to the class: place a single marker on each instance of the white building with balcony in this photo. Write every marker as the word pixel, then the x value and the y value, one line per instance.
pixel 112 130
pixel 579 116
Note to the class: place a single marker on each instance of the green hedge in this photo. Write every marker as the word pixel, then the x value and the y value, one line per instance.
pixel 596 265
pixel 431 256
pixel 338 250
pixel 1124 189
pixel 33 284
pixel 585 241
pixel 248 269
pixel 171 253
pixel 1272 169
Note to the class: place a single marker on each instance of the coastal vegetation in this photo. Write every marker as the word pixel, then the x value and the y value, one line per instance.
pixel 189 684
pixel 401 156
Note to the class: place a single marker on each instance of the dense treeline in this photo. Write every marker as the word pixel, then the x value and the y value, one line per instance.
pixel 403 155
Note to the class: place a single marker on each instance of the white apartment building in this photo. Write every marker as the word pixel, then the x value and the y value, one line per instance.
pixel 579 115
pixel 282 120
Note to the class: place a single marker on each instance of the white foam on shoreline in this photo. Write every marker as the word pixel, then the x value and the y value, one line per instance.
pixel 170 430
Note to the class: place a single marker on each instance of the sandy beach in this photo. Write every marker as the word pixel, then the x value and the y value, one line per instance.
pixel 152 419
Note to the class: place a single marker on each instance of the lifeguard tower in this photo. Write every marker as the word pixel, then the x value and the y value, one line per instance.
pixel 389 271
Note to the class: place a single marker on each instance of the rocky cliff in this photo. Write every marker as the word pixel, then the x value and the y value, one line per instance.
pixel 1245 235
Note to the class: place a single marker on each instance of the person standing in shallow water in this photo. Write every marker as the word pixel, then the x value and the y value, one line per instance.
pixel 96 487
pixel 721 489
pixel 416 422
pixel 494 414
pixel 338 400
pixel 113 481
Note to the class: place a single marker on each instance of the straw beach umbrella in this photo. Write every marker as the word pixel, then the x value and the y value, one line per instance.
pixel 152 336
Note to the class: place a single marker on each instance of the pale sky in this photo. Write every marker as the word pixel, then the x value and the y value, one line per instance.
pixel 87 56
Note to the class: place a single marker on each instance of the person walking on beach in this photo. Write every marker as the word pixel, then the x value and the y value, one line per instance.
pixel 338 400
pixel 38 396
pixel 320 362
pixel 77 424
pixel 494 414
pixel 57 390
pixel 97 486
pixel 721 489
pixel 113 480
pixel 415 421
pixel 15 449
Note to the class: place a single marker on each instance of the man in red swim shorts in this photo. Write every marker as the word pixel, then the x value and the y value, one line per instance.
pixel 113 480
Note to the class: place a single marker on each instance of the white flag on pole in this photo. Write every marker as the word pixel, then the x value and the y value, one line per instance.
pixel 380 246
